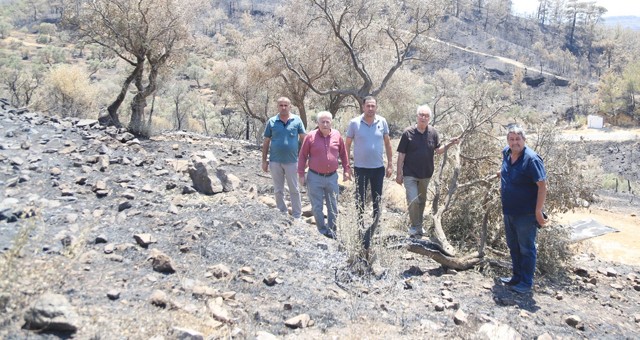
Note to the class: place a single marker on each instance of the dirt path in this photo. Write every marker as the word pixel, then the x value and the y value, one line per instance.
pixel 606 134
pixel 622 247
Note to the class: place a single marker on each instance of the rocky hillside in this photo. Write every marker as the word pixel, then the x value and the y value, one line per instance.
pixel 105 236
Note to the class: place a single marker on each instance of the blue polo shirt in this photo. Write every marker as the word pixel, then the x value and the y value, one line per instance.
pixel 368 141
pixel 284 138
pixel 518 182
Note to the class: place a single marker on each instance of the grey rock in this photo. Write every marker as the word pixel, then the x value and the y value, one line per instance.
pixel 186 334
pixel 161 262
pixel 497 331
pixel 300 321
pixel 86 123
pixel 230 182
pixel 159 299
pixel 460 317
pixel 52 312
pixel 204 179
pixel 220 271
pixel 113 294
pixel 144 240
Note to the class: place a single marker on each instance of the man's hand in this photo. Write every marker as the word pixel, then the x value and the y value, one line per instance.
pixel 301 180
pixel 389 171
pixel 346 176
pixel 399 179
pixel 265 166
pixel 540 218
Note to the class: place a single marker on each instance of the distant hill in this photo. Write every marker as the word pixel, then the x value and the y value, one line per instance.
pixel 632 22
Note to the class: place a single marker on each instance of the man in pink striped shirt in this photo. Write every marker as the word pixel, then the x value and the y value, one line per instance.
pixel 321 149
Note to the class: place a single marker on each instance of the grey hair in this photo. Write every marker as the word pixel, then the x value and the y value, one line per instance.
pixel 323 114
pixel 424 107
pixel 514 128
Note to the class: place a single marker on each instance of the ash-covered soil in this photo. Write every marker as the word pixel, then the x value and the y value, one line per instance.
pixel 113 226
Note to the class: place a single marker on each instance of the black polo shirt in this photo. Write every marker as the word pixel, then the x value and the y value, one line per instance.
pixel 419 149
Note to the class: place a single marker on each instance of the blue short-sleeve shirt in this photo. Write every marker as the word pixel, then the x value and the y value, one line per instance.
pixel 368 141
pixel 518 182
pixel 284 138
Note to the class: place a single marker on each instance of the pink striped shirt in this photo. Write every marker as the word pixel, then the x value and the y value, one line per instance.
pixel 322 152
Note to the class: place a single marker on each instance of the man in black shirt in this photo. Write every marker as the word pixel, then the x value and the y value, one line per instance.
pixel 415 167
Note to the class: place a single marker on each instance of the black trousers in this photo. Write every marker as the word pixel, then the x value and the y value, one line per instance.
pixel 365 178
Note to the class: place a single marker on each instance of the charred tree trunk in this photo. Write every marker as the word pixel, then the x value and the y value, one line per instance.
pixel 112 119
pixel 434 252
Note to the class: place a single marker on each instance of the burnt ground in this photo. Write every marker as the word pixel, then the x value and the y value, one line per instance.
pixel 74 194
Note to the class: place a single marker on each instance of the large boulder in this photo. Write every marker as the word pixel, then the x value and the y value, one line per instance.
pixel 52 312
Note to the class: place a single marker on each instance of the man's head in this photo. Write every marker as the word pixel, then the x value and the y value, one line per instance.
pixel 284 106
pixel 423 115
pixel 324 119
pixel 516 138
pixel 370 106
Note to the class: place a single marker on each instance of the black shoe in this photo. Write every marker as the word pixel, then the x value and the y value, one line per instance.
pixel 508 281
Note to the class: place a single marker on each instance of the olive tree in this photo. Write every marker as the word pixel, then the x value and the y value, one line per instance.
pixel 147 35
pixel 466 200
pixel 354 47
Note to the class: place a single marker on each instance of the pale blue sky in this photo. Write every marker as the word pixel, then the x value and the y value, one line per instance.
pixel 614 7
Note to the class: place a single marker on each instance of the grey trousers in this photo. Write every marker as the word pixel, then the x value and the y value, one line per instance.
pixel 279 173
pixel 416 190
pixel 325 189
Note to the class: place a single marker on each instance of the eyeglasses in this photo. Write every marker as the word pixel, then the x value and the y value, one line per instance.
pixel 423 115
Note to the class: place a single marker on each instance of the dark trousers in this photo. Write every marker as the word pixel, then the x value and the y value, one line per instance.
pixel 366 177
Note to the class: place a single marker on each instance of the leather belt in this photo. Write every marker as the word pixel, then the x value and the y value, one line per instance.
pixel 323 175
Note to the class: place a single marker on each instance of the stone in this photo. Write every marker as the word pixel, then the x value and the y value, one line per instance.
pixel 544 336
pixel 246 270
pixel 161 262
pixel 52 312
pixel 497 331
pixel 230 182
pixel 299 321
pixel 99 185
pixel 86 122
pixel 159 299
pixel 113 294
pixel 574 321
pixel 218 312
pixel 271 279
pixel 617 286
pixel 186 334
pixel 268 201
pixel 201 292
pixel 262 335
pixel 220 271
pixel 109 248
pixel 460 317
pixel 204 179
pixel 125 137
pixel 144 240
pixel 124 206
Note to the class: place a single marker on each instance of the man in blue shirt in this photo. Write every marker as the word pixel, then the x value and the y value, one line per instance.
pixel 369 133
pixel 282 133
pixel 523 190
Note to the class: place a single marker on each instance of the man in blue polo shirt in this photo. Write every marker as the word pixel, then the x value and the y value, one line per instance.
pixel 282 133
pixel 369 133
pixel 524 190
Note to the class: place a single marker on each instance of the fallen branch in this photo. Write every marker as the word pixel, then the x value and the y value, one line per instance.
pixel 434 251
